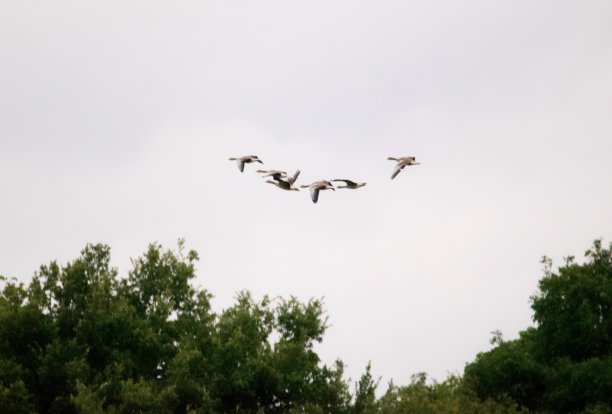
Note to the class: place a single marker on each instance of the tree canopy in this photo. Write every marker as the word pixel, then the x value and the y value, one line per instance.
pixel 564 363
pixel 81 339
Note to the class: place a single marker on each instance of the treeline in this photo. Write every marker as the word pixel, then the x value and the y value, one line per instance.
pixel 564 363
pixel 80 339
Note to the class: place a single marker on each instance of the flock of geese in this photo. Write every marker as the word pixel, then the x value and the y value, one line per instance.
pixel 285 182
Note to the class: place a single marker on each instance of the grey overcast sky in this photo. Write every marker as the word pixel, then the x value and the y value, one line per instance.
pixel 117 119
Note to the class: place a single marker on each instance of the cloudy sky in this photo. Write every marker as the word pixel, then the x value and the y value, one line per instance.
pixel 117 119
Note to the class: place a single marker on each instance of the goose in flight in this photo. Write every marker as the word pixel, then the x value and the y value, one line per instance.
pixel 350 184
pixel 247 159
pixel 286 183
pixel 318 186
pixel 275 174
pixel 401 163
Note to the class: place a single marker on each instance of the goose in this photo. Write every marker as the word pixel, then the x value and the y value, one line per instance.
pixel 286 184
pixel 401 163
pixel 318 186
pixel 275 174
pixel 350 184
pixel 247 159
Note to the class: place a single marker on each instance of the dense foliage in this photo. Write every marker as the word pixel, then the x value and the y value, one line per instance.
pixel 564 364
pixel 79 338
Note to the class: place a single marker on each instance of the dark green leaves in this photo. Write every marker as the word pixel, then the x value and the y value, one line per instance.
pixel 79 338
pixel 564 364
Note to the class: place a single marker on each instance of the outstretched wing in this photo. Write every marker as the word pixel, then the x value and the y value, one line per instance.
pixel 348 182
pixel 314 194
pixel 291 180
pixel 396 171
pixel 240 163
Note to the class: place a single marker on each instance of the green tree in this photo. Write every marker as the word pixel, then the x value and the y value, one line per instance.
pixel 573 308
pixel 365 393
pixel 15 399
pixel 448 397
pixel 510 370
pixel 564 364
pixel 79 338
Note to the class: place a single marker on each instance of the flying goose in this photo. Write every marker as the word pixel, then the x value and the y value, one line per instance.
pixel 275 174
pixel 401 163
pixel 287 183
pixel 318 186
pixel 350 184
pixel 247 159
pixel 284 185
